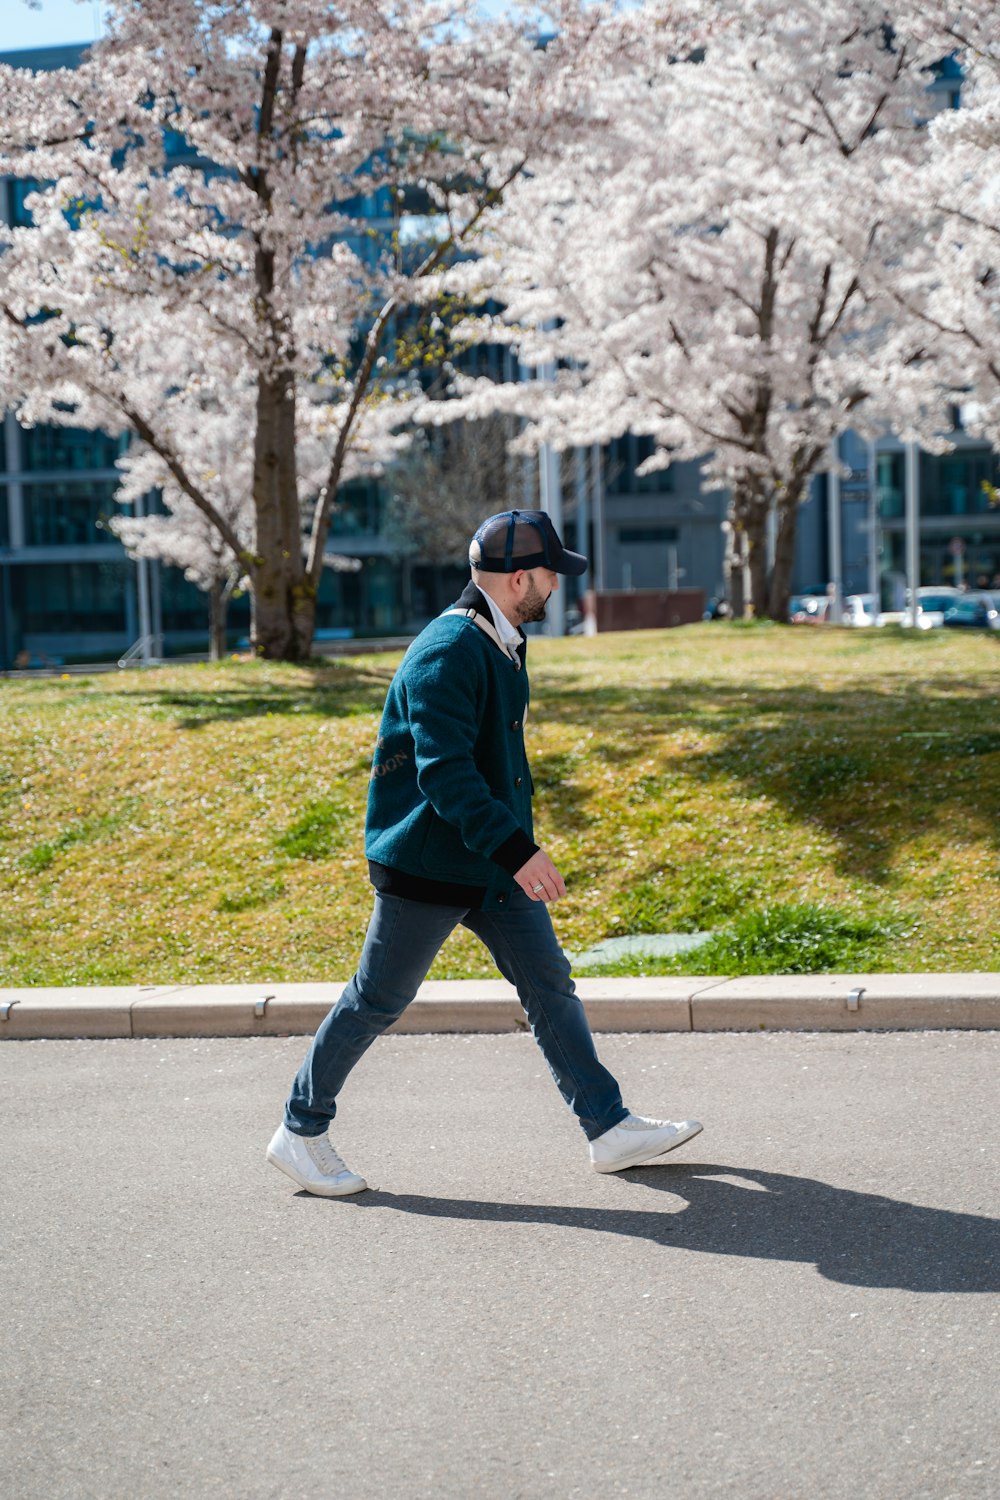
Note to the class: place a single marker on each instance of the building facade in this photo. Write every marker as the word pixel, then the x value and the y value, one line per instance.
pixel 959 520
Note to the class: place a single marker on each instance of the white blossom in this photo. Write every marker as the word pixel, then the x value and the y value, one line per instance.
pixel 710 260
pixel 213 304
pixel 956 289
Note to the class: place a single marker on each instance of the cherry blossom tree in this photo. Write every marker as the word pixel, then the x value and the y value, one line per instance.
pixel 710 264
pixel 956 288
pixel 202 270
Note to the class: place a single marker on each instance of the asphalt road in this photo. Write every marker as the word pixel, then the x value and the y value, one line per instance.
pixel 802 1303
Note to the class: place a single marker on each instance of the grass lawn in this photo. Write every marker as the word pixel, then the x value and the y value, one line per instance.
pixel 820 799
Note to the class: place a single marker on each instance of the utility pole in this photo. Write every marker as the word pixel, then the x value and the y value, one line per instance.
pixel 912 489
pixel 836 611
pixel 550 500
pixel 873 530
pixel 142 582
pixel 597 491
pixel 583 517
pixel 550 487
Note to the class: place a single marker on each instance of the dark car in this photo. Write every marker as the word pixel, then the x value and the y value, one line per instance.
pixel 973 613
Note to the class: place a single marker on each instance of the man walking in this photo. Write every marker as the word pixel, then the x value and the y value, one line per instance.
pixel 449 840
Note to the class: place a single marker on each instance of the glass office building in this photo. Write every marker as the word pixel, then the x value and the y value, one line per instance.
pixel 958 519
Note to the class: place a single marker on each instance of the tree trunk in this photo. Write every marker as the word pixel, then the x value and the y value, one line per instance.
pixel 283 602
pixel 217 601
pixel 780 591
pixel 756 542
pixel 770 588
pixel 734 569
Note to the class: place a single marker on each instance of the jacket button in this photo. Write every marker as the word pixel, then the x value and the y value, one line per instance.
pixel 516 724
pixel 517 780
pixel 501 900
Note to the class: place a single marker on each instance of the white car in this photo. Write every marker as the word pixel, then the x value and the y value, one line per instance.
pixel 859 609
pixel 931 605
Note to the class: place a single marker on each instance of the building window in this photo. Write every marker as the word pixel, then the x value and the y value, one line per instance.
pixel 366 602
pixel 67 512
pixel 624 456
pixel 358 510
pixel 183 606
pixel 889 483
pixel 68 598
pixel 636 535
pixel 951 484
pixel 45 448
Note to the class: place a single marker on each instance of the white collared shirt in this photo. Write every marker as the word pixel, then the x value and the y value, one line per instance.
pixel 507 632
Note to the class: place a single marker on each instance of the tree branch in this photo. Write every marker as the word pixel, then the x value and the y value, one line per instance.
pixel 145 430
pixel 324 501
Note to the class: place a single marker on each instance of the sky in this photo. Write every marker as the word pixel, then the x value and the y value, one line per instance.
pixel 63 21
pixel 56 21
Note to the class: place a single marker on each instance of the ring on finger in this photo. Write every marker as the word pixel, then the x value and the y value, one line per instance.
pixel 536 888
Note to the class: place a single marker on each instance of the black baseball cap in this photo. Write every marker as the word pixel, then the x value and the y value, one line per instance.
pixel 522 539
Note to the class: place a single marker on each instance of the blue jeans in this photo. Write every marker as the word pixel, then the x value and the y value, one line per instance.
pixel 402 942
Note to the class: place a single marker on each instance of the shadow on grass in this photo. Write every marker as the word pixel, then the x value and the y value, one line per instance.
pixel 563 798
pixel 872 769
pixel 337 692
pixel 858 1239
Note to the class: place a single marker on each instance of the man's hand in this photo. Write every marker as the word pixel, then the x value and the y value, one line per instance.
pixel 540 879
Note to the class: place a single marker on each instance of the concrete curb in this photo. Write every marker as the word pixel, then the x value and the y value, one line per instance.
pixel 813 1002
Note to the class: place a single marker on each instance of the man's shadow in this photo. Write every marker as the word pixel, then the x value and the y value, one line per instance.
pixel 860 1239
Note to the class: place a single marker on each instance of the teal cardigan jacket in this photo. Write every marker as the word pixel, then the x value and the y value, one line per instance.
pixel 449 803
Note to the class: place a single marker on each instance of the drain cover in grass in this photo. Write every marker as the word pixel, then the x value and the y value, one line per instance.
pixel 662 944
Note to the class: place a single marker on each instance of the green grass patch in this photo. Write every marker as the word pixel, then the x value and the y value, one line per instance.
pixel 797 939
pixel 43 854
pixel 694 898
pixel 827 798
pixel 804 938
pixel 251 897
pixel 323 827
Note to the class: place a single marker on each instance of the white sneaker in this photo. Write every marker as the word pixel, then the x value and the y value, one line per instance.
pixel 311 1161
pixel 635 1142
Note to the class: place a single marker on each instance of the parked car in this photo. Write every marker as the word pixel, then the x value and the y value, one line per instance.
pixel 932 603
pixel 992 602
pixel 973 611
pixel 859 609
pixel 807 609
pixel 814 609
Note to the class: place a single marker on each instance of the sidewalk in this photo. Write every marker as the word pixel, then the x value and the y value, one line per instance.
pixel 814 1002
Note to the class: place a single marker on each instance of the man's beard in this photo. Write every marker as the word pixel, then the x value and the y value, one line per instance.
pixel 532 606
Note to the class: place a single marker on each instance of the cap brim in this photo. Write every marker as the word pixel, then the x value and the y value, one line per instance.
pixel 571 563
